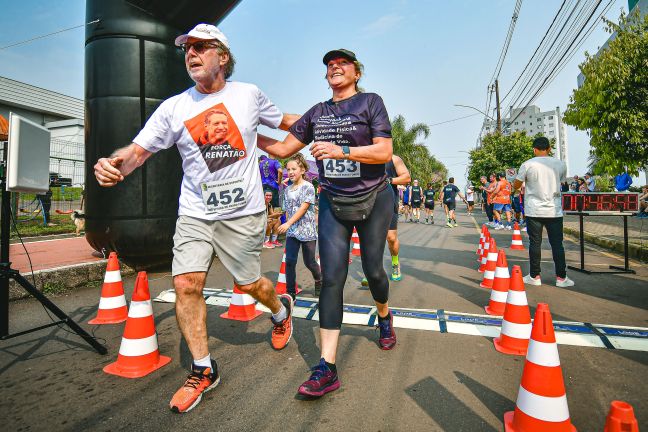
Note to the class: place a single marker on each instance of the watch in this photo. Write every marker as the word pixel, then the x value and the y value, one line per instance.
pixel 346 152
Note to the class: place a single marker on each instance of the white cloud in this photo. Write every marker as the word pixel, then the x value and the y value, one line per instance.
pixel 382 25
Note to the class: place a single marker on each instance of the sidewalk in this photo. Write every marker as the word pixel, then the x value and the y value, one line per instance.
pixel 607 232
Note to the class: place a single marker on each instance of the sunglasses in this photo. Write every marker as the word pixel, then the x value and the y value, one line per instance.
pixel 199 47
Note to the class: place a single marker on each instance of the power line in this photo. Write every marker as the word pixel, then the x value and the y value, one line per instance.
pixel 47 35
pixel 454 120
pixel 507 41
pixel 552 73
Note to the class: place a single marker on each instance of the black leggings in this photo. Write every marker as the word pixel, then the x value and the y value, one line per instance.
pixel 334 236
pixel 308 255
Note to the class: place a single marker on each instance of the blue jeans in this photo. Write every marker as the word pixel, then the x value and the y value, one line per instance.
pixel 554 228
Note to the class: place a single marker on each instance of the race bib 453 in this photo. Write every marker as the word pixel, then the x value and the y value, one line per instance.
pixel 341 168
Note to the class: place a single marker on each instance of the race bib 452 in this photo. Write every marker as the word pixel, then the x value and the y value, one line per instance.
pixel 223 195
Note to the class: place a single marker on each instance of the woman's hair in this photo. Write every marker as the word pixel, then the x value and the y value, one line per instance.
pixel 229 66
pixel 299 159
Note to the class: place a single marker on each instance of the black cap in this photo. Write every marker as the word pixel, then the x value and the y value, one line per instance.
pixel 541 143
pixel 350 55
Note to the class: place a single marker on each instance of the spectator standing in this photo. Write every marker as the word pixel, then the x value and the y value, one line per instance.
pixel 542 176
pixel 271 176
pixel 573 186
pixel 590 182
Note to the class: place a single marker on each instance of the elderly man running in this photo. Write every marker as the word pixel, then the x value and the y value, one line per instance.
pixel 214 126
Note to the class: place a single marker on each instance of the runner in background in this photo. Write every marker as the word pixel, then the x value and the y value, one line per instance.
pixel 448 196
pixel 416 198
pixel 300 227
pixel 271 177
pixel 445 208
pixel 397 174
pixel 406 203
pixel 470 197
pixel 428 195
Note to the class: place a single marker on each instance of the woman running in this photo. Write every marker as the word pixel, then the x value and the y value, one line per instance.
pixel 352 135
pixel 300 227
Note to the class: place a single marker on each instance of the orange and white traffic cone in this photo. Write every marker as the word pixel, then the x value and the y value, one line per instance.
pixel 138 353
pixel 242 307
pixel 621 418
pixel 491 264
pixel 482 234
pixel 516 324
pixel 484 257
pixel 112 304
pixel 281 287
pixel 516 244
pixel 501 283
pixel 542 401
pixel 355 238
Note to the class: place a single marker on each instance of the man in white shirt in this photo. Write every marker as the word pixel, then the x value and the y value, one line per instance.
pixel 543 208
pixel 221 207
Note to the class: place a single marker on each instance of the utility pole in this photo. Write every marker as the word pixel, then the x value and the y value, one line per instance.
pixel 499 113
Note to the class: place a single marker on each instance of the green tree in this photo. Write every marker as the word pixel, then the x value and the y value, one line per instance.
pixel 499 152
pixel 612 104
pixel 416 156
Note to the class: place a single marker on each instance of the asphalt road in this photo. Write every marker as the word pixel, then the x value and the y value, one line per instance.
pixel 431 381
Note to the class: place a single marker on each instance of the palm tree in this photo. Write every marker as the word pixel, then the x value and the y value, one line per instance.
pixel 416 156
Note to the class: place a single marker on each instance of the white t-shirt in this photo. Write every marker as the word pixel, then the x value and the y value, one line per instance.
pixel 216 135
pixel 542 176
pixel 470 194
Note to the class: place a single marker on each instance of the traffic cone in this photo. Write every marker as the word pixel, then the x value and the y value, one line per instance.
pixel 516 244
pixel 491 265
pixel 516 324
pixel 112 304
pixel 355 238
pixel 242 307
pixel 281 287
pixel 621 418
pixel 138 353
pixel 541 403
pixel 484 257
pixel 482 234
pixel 501 283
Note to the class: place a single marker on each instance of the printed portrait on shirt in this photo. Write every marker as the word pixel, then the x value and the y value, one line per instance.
pixel 217 137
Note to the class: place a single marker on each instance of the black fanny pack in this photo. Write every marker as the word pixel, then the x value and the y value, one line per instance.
pixel 357 208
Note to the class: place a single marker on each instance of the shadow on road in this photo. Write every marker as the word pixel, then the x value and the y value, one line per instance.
pixel 445 408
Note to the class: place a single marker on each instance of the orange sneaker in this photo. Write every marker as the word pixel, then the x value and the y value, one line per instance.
pixel 282 331
pixel 199 381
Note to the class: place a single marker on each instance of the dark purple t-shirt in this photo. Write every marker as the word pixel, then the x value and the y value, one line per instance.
pixel 269 172
pixel 352 122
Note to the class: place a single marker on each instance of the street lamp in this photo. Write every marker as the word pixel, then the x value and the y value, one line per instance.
pixel 476 109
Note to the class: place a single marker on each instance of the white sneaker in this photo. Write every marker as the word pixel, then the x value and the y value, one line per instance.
pixel 532 281
pixel 564 283
pixel 508 227
pixel 523 229
pixel 499 227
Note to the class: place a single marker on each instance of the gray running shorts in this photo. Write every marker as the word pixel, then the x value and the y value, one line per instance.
pixel 237 242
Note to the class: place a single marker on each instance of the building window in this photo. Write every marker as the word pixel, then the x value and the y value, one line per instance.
pixel 551 132
pixel 516 122
pixel 550 117
pixel 539 119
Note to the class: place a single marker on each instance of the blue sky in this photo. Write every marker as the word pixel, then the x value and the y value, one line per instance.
pixel 421 56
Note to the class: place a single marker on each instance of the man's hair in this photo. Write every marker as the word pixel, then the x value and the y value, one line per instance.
pixel 451 179
pixel 214 112
pixel 429 185
pixel 229 66
pixel 541 143
pixel 483 177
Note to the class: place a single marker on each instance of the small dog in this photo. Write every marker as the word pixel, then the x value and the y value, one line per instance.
pixel 78 217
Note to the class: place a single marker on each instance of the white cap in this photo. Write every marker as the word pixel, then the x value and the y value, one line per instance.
pixel 205 32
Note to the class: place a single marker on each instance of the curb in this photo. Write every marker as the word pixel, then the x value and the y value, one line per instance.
pixel 65 278
pixel 634 251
